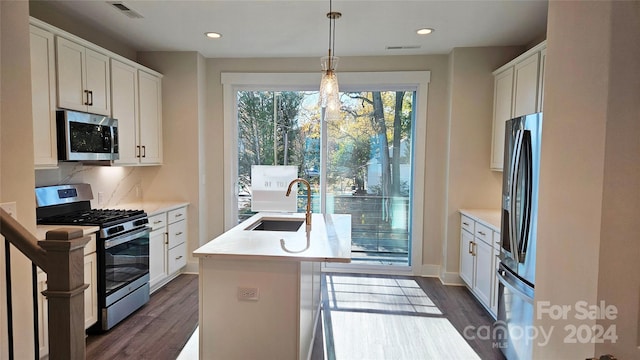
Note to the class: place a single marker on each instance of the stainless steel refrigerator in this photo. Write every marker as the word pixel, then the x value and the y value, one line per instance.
pixel 516 273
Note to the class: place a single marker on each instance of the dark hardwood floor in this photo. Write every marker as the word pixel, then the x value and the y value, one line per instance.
pixel 158 331
pixel 462 309
pixel 161 328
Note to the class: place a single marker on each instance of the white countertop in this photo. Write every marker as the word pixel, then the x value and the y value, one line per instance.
pixel 329 240
pixel 41 230
pixel 153 207
pixel 489 217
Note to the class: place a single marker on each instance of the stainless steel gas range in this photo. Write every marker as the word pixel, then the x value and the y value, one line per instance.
pixel 122 247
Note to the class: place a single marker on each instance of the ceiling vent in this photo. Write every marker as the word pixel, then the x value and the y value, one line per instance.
pixel 124 9
pixel 403 47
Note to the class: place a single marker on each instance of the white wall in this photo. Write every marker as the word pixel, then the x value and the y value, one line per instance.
pixel 588 246
pixel 470 182
pixel 16 166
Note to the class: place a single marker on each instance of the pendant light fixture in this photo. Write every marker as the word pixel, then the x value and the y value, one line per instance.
pixel 329 98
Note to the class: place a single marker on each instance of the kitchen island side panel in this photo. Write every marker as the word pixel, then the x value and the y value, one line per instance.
pixel 266 328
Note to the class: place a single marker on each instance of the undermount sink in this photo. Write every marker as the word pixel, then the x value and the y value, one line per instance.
pixel 291 225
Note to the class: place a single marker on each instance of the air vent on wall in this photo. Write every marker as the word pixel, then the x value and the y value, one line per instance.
pixel 403 47
pixel 121 7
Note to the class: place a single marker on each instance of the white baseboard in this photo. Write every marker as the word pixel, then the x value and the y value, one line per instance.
pixel 191 267
pixel 430 270
pixel 451 278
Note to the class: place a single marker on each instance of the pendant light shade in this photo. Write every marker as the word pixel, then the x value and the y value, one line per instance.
pixel 329 91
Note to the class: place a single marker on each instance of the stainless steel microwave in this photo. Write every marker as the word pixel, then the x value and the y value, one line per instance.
pixel 86 137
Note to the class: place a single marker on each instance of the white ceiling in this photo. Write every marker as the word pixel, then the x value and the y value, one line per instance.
pixel 290 28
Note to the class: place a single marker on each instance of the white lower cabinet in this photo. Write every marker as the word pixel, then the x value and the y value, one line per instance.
pixel 157 249
pixel 167 246
pixel 90 297
pixel 478 261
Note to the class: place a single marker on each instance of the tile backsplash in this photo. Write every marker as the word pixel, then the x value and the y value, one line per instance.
pixel 111 186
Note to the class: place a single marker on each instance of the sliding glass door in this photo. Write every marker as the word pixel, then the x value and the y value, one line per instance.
pixel 359 163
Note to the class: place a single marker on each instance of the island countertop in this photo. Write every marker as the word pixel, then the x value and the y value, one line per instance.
pixel 329 240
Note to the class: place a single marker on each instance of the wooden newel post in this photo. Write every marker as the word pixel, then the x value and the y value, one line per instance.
pixel 65 292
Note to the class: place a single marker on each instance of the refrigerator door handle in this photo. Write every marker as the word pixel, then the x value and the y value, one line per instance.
pixel 526 223
pixel 515 164
pixel 506 283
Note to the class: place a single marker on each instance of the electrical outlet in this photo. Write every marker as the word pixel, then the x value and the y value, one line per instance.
pixel 100 198
pixel 11 208
pixel 248 294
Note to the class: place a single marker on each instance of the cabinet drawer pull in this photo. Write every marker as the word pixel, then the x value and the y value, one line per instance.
pixel 481 233
pixel 157 222
pixel 179 233
pixel 178 215
pixel 465 223
pixel 179 257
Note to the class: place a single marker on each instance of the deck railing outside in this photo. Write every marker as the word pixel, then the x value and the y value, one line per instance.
pixel 379 224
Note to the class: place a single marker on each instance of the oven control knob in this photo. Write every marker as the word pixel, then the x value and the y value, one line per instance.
pixel 141 222
pixel 115 229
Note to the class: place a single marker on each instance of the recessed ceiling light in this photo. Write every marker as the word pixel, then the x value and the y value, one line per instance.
pixel 213 35
pixel 424 31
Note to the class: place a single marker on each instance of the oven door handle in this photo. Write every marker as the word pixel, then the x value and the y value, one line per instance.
pixel 126 237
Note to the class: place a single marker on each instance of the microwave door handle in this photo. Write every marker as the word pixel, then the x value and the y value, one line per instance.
pixel 526 226
pixel 515 164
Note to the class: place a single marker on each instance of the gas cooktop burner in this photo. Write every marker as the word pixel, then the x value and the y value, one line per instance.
pixel 100 217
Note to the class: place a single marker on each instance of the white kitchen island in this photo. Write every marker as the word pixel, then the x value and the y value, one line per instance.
pixel 260 290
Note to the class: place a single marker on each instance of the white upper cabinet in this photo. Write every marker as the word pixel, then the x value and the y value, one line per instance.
pixel 150 115
pixel 136 104
pixel 503 88
pixel 83 78
pixel 43 96
pixel 518 90
pixel 543 60
pixel 71 73
pixel 124 108
pixel 525 92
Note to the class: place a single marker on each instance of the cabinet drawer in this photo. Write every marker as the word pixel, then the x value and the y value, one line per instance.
pixel 484 233
pixel 158 221
pixel 177 233
pixel 177 258
pixel 466 223
pixel 177 215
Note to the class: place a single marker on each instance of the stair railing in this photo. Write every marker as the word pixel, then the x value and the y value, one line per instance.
pixel 61 256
